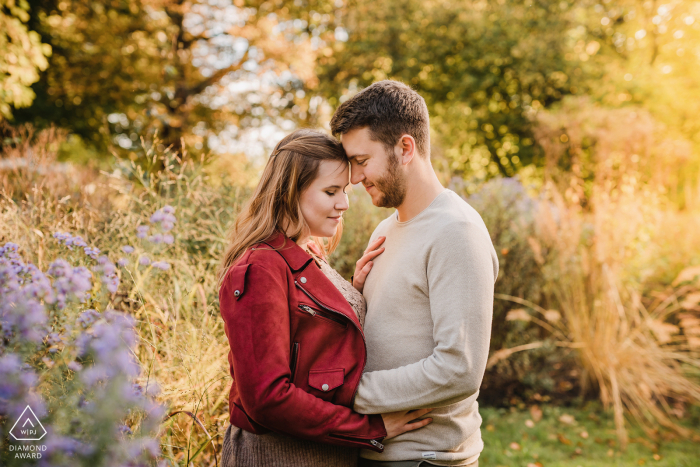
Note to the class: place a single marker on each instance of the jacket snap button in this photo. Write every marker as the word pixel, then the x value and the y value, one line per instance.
pixel 324 387
pixel 303 280
pixel 237 293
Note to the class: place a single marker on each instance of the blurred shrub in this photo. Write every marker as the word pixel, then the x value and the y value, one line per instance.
pixel 509 211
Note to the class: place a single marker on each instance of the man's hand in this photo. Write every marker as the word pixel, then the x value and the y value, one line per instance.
pixel 397 423
pixel 364 264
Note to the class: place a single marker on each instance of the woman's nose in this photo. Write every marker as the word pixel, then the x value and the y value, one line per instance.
pixel 343 205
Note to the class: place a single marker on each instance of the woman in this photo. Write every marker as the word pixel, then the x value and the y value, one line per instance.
pixel 293 324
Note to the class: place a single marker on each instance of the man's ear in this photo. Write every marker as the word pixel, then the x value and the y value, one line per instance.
pixel 406 148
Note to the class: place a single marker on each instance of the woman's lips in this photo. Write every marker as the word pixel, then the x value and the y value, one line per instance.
pixel 337 218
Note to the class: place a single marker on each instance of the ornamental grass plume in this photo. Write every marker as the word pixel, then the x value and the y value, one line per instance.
pixel 631 351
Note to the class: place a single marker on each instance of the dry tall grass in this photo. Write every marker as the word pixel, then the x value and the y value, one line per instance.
pixel 641 355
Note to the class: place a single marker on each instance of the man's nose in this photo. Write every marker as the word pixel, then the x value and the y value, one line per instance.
pixel 356 175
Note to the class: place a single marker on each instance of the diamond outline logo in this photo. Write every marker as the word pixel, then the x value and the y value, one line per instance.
pixel 28 419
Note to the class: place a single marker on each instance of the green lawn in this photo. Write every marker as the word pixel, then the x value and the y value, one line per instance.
pixel 566 437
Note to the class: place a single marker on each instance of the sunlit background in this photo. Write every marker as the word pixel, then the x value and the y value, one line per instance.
pixel 573 127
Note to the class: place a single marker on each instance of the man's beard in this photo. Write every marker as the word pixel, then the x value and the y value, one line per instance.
pixel 392 185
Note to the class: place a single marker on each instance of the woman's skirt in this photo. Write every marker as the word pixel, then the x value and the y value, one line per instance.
pixel 244 449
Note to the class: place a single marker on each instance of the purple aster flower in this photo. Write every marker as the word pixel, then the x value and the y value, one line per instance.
pixel 75 366
pixel 75 241
pixel 112 283
pixel 141 231
pixel 108 273
pixel 157 238
pixel 87 317
pixel 168 239
pixel 121 262
pixel 144 261
pixel 128 249
pixel 157 216
pixel 161 265
pixel 165 217
pixel 92 252
pixel 61 236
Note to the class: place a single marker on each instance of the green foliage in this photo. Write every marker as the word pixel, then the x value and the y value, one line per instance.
pixel 125 68
pixel 105 55
pixel 22 56
pixel 481 66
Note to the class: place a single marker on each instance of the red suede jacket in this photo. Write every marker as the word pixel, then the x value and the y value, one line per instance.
pixel 297 349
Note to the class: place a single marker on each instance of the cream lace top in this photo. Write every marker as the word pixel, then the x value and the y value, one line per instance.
pixel 354 298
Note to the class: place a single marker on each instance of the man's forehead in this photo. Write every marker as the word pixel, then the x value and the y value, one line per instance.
pixel 357 143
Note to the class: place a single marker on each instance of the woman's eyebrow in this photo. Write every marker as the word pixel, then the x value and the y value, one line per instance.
pixel 336 187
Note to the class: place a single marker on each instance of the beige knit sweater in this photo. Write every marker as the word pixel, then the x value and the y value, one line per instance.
pixel 428 325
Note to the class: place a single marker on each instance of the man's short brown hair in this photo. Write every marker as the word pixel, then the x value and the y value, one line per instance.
pixel 390 109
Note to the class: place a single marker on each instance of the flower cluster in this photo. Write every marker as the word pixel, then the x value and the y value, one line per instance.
pixel 69 282
pixel 165 217
pixel 22 289
pixel 70 241
pixel 97 349
pixel 108 273
pixel 16 382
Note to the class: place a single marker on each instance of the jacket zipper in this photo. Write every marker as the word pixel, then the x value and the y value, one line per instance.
pixel 313 312
pixel 294 359
pixel 373 442
pixel 364 342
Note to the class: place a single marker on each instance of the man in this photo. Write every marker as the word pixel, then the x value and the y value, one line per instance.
pixel 430 292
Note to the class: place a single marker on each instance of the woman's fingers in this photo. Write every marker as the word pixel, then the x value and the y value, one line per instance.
pixel 418 424
pixel 415 414
pixel 359 278
pixel 374 245
pixel 412 421
pixel 370 253
pixel 364 264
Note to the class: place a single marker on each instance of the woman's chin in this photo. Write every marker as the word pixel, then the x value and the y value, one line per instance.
pixel 326 233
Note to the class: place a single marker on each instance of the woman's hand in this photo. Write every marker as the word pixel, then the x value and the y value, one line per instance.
pixel 364 264
pixel 397 423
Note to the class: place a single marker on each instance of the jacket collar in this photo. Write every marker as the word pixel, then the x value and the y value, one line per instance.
pixel 293 254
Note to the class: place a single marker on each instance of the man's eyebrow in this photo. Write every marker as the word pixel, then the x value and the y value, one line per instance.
pixel 357 155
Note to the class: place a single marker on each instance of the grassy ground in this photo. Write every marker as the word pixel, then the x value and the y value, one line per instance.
pixel 566 437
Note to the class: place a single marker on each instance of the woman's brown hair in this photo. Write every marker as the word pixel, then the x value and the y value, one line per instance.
pixel 274 206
